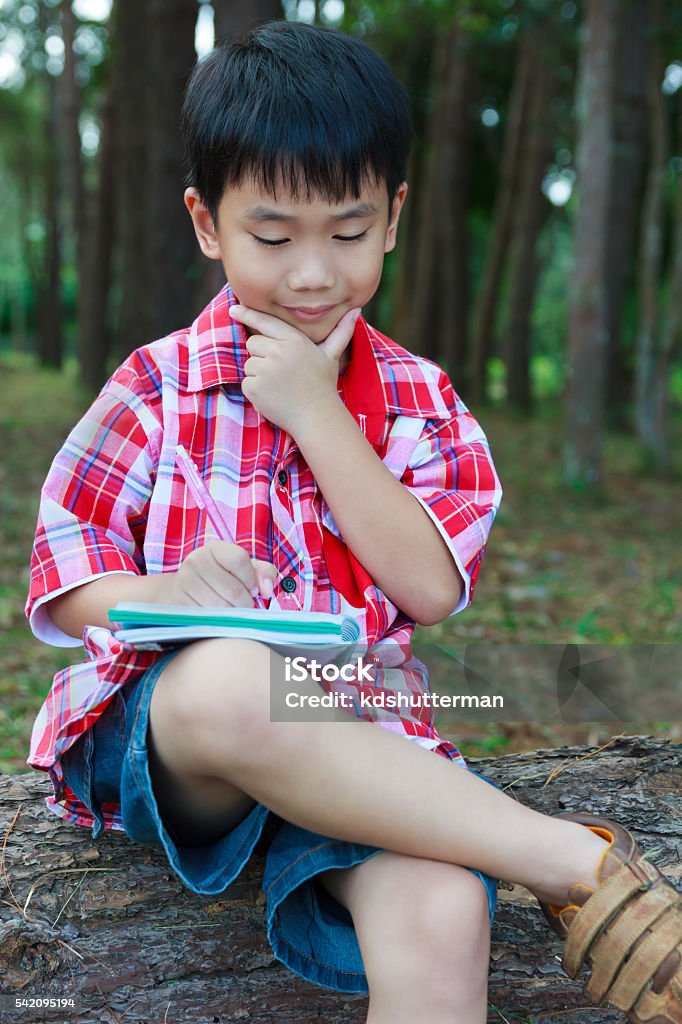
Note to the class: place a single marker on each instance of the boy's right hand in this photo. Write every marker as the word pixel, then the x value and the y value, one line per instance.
pixel 219 573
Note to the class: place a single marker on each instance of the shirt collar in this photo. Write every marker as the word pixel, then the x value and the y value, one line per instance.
pixel 379 378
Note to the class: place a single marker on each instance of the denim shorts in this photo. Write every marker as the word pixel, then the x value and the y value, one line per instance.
pixel 309 931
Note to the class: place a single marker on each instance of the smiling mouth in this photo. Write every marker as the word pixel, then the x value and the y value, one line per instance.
pixel 317 312
pixel 309 312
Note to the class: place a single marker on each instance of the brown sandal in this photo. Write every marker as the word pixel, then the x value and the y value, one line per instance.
pixel 629 930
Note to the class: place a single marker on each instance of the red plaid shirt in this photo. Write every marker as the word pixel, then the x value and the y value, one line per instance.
pixel 113 501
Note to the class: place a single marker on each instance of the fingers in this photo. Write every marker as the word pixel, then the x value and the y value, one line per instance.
pixel 221 573
pixel 199 591
pixel 264 323
pixel 335 344
pixel 233 560
pixel 267 577
pixel 257 345
pixel 209 584
pixel 253 574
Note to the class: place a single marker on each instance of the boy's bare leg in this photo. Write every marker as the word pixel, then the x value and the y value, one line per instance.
pixel 426 955
pixel 350 779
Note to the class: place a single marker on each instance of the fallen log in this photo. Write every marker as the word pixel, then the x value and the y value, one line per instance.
pixel 108 925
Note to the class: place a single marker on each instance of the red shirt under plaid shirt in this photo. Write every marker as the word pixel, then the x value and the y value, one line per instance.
pixel 113 501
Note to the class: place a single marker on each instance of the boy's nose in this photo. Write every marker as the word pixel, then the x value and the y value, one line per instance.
pixel 310 278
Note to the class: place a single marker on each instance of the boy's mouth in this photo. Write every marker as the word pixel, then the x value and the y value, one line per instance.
pixel 310 313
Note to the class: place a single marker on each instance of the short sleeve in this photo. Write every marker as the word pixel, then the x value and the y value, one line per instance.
pixel 451 474
pixel 93 504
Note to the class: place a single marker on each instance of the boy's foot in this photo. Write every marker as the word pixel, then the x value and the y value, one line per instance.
pixel 628 928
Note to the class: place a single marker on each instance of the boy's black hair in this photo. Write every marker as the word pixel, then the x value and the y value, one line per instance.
pixel 302 100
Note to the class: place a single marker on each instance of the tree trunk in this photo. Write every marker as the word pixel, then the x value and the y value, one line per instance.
pixel 132 31
pixel 234 19
pixel 50 337
pixel 174 252
pixel 94 334
pixel 671 330
pixel 531 210
pixel 630 140
pixel 651 383
pixel 438 314
pixel 73 161
pixel 154 54
pixel 31 183
pixel 500 231
pixel 423 322
pixel 110 924
pixel 589 327
pixel 452 242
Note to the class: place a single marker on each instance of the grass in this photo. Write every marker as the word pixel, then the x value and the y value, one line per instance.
pixel 560 567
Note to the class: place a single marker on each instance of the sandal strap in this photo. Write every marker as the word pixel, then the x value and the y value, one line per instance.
pixel 645 961
pixel 611 947
pixel 594 916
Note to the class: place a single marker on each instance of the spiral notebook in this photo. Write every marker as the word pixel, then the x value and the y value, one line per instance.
pixel 324 636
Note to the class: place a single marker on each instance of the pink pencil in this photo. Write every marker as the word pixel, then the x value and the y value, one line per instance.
pixel 202 496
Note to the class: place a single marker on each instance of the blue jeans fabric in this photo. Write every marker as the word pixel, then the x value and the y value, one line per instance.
pixel 309 931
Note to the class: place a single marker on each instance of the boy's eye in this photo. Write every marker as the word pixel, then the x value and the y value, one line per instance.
pixel 281 241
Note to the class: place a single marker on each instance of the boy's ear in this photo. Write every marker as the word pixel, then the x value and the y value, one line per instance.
pixel 204 227
pixel 392 230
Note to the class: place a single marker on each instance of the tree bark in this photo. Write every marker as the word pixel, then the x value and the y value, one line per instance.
pixel 234 19
pixel 672 327
pixel 94 335
pixel 452 241
pixel 500 230
pixel 76 198
pixel 630 143
pixel 440 296
pixel 589 327
pixel 531 210
pixel 130 45
pixel 109 923
pixel 658 330
pixel 50 337
pixel 174 252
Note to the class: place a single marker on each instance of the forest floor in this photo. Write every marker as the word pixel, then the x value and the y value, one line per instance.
pixel 561 567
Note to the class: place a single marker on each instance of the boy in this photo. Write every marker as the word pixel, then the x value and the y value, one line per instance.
pixel 354 479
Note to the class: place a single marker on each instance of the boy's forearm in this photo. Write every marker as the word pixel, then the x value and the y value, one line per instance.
pixel 384 525
pixel 88 603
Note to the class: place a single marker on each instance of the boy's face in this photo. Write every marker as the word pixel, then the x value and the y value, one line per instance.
pixel 312 267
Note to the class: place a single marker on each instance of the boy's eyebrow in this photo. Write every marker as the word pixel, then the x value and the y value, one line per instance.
pixel 262 213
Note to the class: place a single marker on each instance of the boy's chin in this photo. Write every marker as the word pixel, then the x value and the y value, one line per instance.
pixel 317 332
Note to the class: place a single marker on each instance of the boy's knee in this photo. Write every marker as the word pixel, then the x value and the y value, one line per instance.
pixel 217 691
pixel 453 917
pixel 439 951
pixel 443 929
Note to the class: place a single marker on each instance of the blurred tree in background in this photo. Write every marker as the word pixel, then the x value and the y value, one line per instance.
pixel 540 250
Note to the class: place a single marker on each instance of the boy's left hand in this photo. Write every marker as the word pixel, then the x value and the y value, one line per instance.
pixel 289 377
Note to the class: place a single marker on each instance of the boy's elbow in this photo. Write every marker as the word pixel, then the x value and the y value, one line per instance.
pixel 434 617
pixel 435 611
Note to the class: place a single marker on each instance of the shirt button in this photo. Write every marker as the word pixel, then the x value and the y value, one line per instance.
pixel 282 477
pixel 289 584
